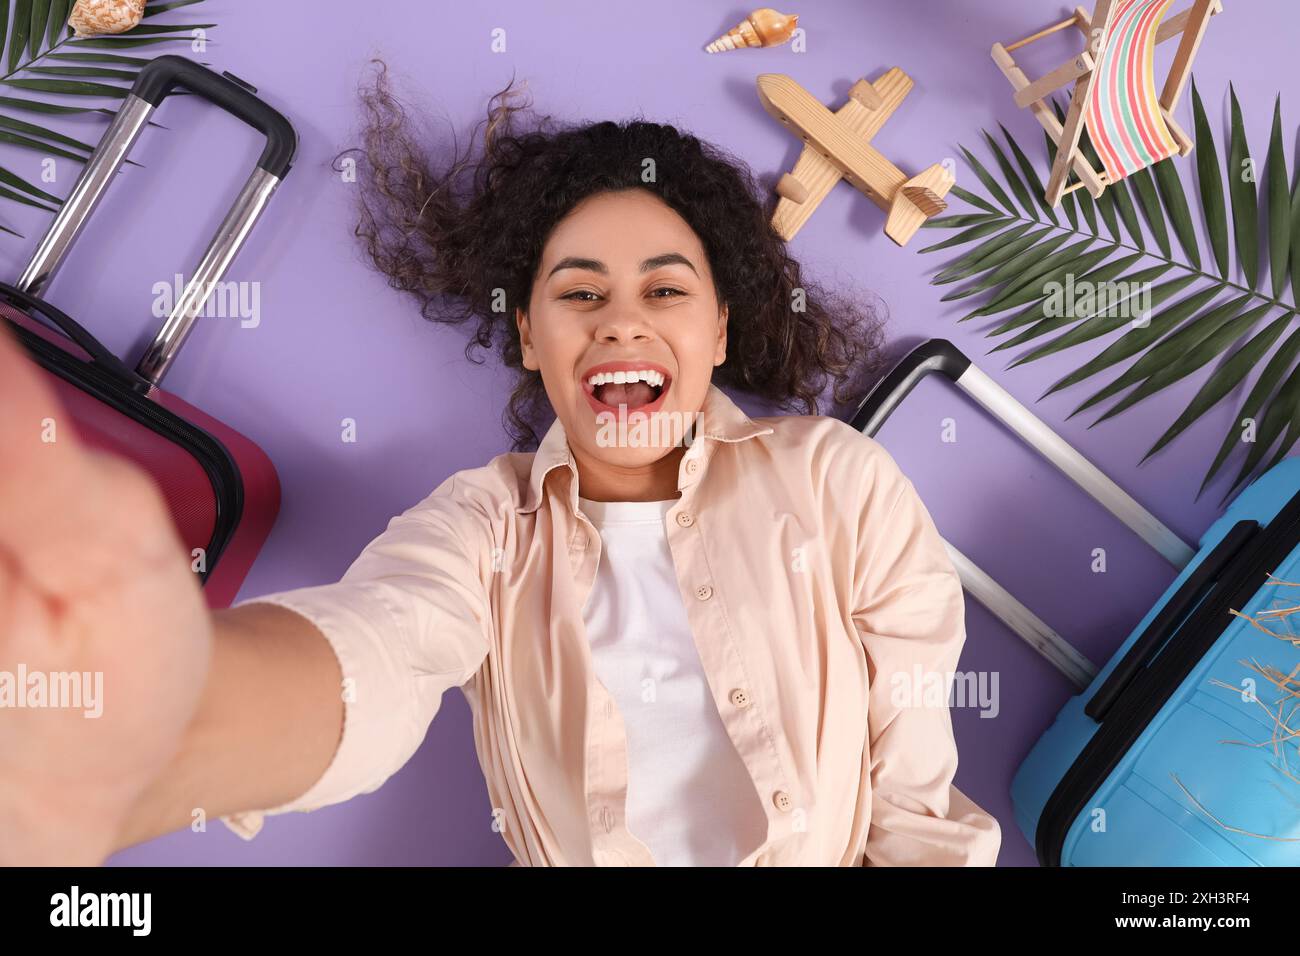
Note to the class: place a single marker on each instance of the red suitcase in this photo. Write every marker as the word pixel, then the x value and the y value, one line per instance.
pixel 221 488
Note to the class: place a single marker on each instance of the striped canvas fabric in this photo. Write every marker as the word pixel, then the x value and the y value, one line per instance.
pixel 1123 112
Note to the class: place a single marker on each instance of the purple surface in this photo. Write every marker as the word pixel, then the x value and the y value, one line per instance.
pixel 335 342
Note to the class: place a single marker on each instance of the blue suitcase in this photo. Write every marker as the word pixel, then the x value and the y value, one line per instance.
pixel 1181 751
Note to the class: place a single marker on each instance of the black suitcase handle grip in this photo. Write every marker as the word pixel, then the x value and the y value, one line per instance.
pixel 1166 627
pixel 100 355
pixel 934 355
pixel 160 78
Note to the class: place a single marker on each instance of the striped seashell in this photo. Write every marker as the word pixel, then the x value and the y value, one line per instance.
pixel 97 17
pixel 765 27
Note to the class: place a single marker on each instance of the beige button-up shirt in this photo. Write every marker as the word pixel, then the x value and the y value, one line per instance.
pixel 822 603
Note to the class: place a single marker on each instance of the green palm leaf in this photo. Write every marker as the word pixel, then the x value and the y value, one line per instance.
pixel 1053 269
pixel 1281 411
pixel 36 106
pixel 1207 172
pixel 41 132
pixel 1079 314
pixel 984 256
pixel 1137 339
pixel 100 58
pixel 51 65
pixel 40 146
pixel 1212 341
pixel 1180 214
pixel 96 71
pixel 1109 317
pixel 1279 206
pixel 120 42
pixel 989 182
pixel 1012 267
pixel 1067 199
pixel 1124 203
pixel 1017 266
pixel 24 200
pixel 19 183
pixel 71 87
pixel 1295 237
pixel 974 232
pixel 1169 348
pixel 1017 185
pixel 143 29
pixel 1145 190
pixel 1224 380
pixel 1264 386
pixel 40 20
pixel 1030 176
pixel 974 200
pixel 59 11
pixel 20 24
pixel 1241 190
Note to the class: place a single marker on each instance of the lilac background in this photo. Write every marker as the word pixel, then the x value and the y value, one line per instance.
pixel 335 342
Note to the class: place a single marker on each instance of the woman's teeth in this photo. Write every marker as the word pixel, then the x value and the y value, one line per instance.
pixel 621 378
pixel 633 389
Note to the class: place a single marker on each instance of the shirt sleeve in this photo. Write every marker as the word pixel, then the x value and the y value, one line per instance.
pixel 408 620
pixel 910 614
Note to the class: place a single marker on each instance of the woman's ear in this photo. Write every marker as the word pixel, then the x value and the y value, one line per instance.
pixel 526 340
pixel 720 353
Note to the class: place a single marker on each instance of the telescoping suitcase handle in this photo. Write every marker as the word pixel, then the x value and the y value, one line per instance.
pixel 941 356
pixel 154 83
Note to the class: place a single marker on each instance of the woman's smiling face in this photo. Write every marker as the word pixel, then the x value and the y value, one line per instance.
pixel 623 280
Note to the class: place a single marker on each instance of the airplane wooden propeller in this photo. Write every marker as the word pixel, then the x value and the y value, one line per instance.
pixel 838 146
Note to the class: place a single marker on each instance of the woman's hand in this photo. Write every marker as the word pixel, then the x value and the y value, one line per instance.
pixel 96 594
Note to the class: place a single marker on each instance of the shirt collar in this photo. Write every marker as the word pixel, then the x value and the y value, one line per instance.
pixel 721 420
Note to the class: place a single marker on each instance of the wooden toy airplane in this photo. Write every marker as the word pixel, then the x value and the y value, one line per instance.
pixel 839 147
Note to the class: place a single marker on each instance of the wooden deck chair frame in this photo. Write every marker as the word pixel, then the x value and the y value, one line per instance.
pixel 1190 25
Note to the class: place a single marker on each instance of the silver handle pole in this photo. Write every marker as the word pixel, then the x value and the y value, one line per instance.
pixel 230 236
pixel 1079 469
pixel 86 193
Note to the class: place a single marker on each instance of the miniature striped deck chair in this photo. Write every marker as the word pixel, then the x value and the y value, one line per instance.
pixel 1114 94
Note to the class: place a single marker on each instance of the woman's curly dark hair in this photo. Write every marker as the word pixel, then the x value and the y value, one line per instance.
pixel 457 233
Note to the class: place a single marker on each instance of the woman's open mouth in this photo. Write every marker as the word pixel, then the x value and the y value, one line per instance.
pixel 642 389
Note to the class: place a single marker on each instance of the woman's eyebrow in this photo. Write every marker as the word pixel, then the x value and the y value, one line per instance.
pixel 595 265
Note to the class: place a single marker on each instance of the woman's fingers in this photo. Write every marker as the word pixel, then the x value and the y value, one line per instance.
pixel 71 516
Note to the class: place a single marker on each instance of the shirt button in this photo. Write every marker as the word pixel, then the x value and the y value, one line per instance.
pixel 739 698
pixel 685 519
pixel 692 467
pixel 782 801
pixel 704 592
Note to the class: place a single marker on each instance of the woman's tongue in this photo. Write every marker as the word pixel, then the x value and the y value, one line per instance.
pixel 632 394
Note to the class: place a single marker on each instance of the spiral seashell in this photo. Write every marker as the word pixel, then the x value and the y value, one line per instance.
pixel 764 27
pixel 97 17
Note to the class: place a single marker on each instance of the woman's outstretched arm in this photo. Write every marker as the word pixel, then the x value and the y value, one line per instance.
pixel 268 723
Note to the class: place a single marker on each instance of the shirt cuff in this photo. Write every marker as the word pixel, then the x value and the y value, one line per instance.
pixel 350 761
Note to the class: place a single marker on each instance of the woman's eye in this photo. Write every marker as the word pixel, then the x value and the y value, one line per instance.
pixel 655 294
pixel 574 295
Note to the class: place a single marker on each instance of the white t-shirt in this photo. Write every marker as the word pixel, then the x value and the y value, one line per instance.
pixel 690 798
